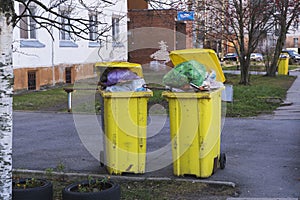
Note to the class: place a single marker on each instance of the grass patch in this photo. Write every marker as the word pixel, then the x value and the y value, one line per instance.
pixel 253 67
pixel 144 189
pixel 86 101
pixel 51 99
pixel 257 98
pixel 293 67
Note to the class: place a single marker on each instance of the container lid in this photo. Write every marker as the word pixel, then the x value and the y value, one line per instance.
pixel 134 67
pixel 207 57
pixel 129 94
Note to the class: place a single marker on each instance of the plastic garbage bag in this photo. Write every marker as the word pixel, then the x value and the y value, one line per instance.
pixel 211 82
pixel 118 88
pixel 137 85
pixel 185 73
pixel 134 85
pixel 112 77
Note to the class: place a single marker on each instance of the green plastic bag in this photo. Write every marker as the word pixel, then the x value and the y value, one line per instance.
pixel 185 73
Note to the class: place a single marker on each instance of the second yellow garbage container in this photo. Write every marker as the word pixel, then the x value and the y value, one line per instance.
pixel 195 120
pixel 283 65
pixel 195 128
pixel 125 126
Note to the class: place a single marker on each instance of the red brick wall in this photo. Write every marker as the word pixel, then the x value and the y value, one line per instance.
pixel 290 42
pixel 147 28
pixel 137 4
pixel 152 18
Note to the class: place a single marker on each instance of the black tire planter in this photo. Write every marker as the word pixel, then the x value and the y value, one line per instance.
pixel 111 193
pixel 44 192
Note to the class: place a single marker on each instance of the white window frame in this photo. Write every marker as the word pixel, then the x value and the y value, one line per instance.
pixel 64 33
pixel 115 29
pixel 28 28
pixel 93 27
pixel 296 41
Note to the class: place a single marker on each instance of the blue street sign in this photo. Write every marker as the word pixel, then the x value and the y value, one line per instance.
pixel 185 16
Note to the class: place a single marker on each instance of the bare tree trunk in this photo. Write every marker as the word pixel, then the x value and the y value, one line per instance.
pixel 244 62
pixel 6 91
pixel 271 71
pixel 245 77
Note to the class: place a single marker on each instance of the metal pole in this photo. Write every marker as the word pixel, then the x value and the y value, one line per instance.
pixel 194 25
pixel 69 101
pixel 52 59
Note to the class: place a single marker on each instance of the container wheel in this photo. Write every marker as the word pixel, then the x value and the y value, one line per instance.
pixel 222 160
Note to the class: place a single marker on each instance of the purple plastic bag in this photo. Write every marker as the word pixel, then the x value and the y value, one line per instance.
pixel 120 75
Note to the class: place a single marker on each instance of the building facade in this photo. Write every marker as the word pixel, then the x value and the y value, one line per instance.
pixel 293 36
pixel 43 57
pixel 151 27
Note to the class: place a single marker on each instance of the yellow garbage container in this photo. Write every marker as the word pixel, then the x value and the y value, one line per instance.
pixel 195 128
pixel 283 65
pixel 124 117
pixel 195 121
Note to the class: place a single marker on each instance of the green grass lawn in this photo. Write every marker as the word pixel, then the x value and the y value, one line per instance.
pixel 41 100
pixel 262 96
pixel 293 67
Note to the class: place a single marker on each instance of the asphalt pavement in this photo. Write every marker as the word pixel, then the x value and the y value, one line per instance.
pixel 263 153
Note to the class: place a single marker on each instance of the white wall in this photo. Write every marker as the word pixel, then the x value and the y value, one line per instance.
pixel 53 54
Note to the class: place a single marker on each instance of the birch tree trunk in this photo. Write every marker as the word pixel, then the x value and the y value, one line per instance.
pixel 6 91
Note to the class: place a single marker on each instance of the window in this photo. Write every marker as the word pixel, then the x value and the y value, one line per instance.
pixel 93 31
pixel 296 42
pixel 31 75
pixel 115 29
pixel 68 72
pixel 27 23
pixel 65 26
pixel 65 30
pixel 28 28
pixel 93 27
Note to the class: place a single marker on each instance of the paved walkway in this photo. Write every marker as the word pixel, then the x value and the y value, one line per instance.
pixel 263 153
pixel 293 96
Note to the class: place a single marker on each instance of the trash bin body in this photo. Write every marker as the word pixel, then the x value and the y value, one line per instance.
pixel 283 66
pixel 125 129
pixel 195 129
pixel 124 123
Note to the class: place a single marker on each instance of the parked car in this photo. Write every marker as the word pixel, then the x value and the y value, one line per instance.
pixel 256 57
pixel 293 55
pixel 230 57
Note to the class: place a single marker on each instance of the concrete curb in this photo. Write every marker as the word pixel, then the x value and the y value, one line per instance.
pixel 211 182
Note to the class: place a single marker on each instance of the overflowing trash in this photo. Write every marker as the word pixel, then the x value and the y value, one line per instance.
pixel 195 70
pixel 191 74
pixel 121 80
pixel 184 74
